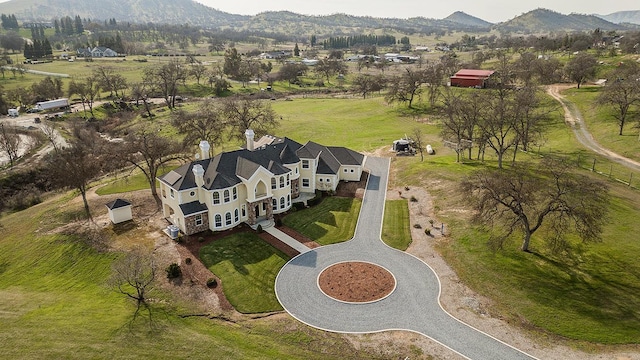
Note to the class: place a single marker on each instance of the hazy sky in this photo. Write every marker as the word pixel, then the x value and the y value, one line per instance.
pixel 489 10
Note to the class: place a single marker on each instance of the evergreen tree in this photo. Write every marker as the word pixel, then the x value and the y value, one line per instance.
pixel 78 25
pixel 296 50
pixel 56 25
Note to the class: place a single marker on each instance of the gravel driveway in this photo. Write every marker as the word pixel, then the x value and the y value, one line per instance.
pixel 413 306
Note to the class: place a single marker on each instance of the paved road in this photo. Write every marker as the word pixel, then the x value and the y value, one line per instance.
pixel 414 305
pixel 573 118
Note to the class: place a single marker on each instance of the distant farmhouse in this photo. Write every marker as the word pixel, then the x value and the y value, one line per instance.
pixel 472 78
pixel 96 52
pixel 252 184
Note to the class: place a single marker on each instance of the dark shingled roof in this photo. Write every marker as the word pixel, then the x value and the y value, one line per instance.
pixel 118 203
pixel 224 170
pixel 193 208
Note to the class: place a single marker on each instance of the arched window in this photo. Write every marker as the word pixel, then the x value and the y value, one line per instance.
pixel 216 198
pixel 282 202
pixel 237 216
pixel 226 196
pixel 218 220
pixel 227 218
pixel 281 181
pixel 235 193
pixel 273 184
pixel 274 204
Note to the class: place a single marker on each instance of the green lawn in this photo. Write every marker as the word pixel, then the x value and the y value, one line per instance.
pixel 395 228
pixel 333 220
pixel 602 125
pixel 362 125
pixel 592 295
pixel 247 267
pixel 55 303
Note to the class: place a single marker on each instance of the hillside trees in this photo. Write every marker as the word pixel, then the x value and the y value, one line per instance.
pixel 244 113
pixel 76 165
pixel 291 71
pixel 622 92
pixel 9 22
pixel 581 68
pixel 9 143
pixel 406 87
pixel 11 41
pixel 547 196
pixel 165 80
pixel 232 62
pixel 366 84
pixel 109 80
pixel 330 67
pixel 88 90
pixel 148 151
pixel 47 89
pixel 203 124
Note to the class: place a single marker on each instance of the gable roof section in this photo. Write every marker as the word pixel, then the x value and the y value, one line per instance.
pixel 346 156
pixel 473 73
pixel 193 208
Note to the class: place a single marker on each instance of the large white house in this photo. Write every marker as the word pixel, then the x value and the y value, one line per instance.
pixel 252 184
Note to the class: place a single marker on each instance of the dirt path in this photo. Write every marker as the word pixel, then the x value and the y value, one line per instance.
pixel 573 118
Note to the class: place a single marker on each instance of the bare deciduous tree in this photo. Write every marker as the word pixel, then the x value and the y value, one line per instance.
pixel 203 124
pixel 134 275
pixel 148 151
pixel 10 142
pixel 246 113
pixel 581 68
pixel 622 91
pixel 524 199
pixel 75 166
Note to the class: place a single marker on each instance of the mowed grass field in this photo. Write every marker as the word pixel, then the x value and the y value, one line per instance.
pixel 332 221
pixel 55 303
pixel 248 267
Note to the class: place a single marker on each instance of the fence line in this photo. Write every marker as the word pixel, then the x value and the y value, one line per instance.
pixel 630 180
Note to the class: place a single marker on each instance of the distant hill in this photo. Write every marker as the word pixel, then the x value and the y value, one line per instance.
pixel 631 17
pixel 139 11
pixel 460 17
pixel 543 20
pixel 289 23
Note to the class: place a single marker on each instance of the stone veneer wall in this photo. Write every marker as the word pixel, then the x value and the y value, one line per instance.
pixel 192 228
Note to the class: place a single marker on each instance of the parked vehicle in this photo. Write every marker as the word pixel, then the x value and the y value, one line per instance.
pixel 52 104
pixel 13 112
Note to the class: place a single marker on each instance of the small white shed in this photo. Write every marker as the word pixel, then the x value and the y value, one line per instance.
pixel 119 211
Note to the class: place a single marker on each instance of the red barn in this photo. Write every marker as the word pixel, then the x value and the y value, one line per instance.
pixel 471 78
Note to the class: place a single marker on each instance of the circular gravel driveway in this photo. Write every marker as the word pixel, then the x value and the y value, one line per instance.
pixel 413 305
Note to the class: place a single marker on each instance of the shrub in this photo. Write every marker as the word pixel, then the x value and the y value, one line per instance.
pixel 259 229
pixel 278 222
pixel 427 231
pixel 187 261
pixel 211 282
pixel 413 199
pixel 417 226
pixel 406 188
pixel 173 271
pixel 298 206
pixel 431 222
pixel 200 239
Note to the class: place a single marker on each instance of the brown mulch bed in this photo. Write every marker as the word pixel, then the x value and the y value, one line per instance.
pixel 356 281
pixel 353 189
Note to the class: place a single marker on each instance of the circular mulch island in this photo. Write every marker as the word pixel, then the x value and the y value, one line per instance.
pixel 356 282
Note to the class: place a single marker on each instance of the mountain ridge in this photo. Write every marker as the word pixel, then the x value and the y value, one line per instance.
pixel 191 12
